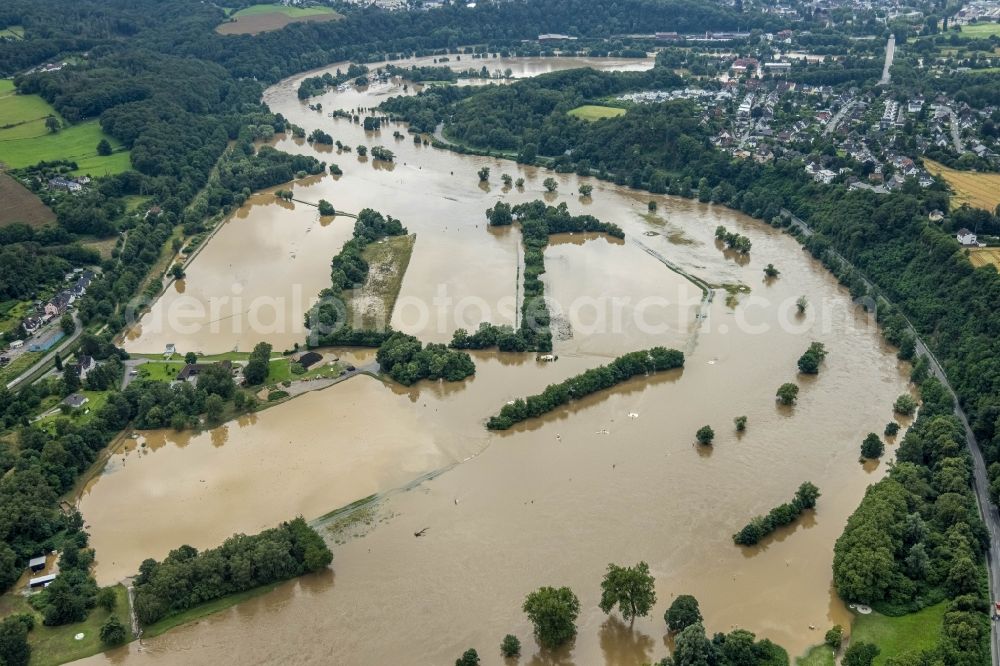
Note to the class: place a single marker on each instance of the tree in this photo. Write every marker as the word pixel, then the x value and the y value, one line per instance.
pixel 103 148
pixel 510 646
pixel 705 435
pixel 14 648
pixel 550 184
pixel 741 423
pixel 787 393
pixel 519 183
pixel 214 406
pixel 106 598
pixel 71 378
pixel 58 362
pixel 67 324
pixel 52 124
pixel 469 658
pixel 806 496
pixel 177 271
pixel 484 174
pixel 860 654
pixel 507 180
pixel 692 647
pixel 771 272
pixel 113 631
pixel 651 206
pixel 891 429
pixel 586 190
pixel 553 612
pixel 801 304
pixel 834 637
pixel 190 358
pixel 632 589
pixel 683 612
pixel 256 368
pixel 326 208
pixel 362 151
pixel 905 405
pixel 810 360
pixel 872 447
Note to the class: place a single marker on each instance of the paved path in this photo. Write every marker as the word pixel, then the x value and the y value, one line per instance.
pixel 844 110
pixel 307 385
pixel 890 52
pixel 989 512
pixel 18 381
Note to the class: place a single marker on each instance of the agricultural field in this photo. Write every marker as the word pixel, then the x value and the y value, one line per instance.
pixel 371 305
pixel 24 139
pixel 591 112
pixel 19 204
pixel 265 18
pixel 12 32
pixel 980 190
pixel 985 256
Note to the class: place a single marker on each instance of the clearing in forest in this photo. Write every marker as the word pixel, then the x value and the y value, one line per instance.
pixel 595 112
pixel 265 18
pixel 985 256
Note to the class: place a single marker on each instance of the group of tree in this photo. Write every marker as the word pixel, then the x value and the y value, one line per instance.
pixel 733 240
pixel 779 516
pixel 317 85
pixel 537 221
pixel 187 578
pixel 590 381
pixel 408 361
pixel 917 537
pixel 258 364
pixel 810 361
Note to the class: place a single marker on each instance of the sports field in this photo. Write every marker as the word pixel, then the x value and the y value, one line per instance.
pixel 264 18
pixel 980 190
pixel 24 139
pixel 593 112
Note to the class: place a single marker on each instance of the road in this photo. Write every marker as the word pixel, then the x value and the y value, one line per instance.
pixel 890 52
pixel 956 137
pixel 832 125
pixel 17 381
pixel 980 485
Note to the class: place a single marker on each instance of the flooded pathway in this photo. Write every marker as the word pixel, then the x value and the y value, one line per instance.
pixel 550 502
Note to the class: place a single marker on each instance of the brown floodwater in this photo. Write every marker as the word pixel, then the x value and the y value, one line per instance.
pixel 616 477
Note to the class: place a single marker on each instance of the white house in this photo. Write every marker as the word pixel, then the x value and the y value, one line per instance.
pixel 966 237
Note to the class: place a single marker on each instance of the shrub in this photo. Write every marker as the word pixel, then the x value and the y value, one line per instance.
pixel 905 405
pixel 705 435
pixel 510 646
pixel 872 447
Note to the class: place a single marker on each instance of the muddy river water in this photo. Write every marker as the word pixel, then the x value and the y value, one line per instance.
pixel 614 478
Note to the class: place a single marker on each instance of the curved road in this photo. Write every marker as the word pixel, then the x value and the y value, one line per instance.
pixel 980 480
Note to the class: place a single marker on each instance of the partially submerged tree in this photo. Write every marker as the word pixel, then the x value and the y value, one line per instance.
pixel 632 589
pixel 683 612
pixel 553 612
pixel 787 393
pixel 705 435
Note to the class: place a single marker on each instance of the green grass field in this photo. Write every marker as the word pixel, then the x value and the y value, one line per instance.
pixel 208 608
pixel 896 635
pixel 593 112
pixel 293 12
pixel 24 140
pixel 57 645
pixel 819 655
pixel 980 30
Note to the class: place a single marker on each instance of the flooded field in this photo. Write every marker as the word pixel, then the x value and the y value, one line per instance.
pixel 554 500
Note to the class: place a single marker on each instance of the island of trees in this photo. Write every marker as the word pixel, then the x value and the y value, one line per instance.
pixel 622 368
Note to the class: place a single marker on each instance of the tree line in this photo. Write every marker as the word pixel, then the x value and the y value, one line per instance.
pixel 537 221
pixel 187 578
pixel 590 381
pixel 779 516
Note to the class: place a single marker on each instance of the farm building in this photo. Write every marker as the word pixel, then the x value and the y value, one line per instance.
pixel 37 563
pixel 309 359
pixel 41 581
